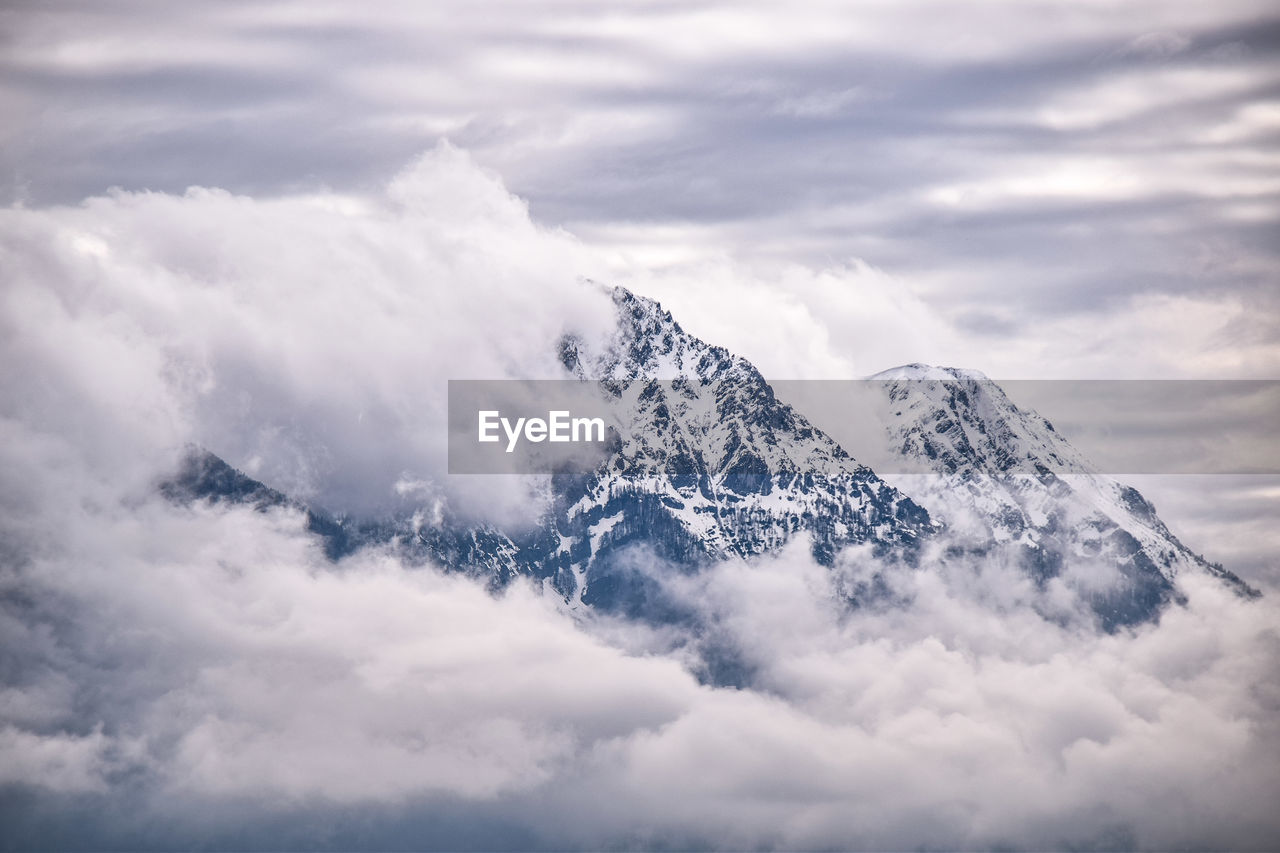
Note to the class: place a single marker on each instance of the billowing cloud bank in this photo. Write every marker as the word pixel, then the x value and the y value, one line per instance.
pixel 203 676
pixel 309 339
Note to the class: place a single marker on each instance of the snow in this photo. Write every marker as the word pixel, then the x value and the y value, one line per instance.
pixel 918 371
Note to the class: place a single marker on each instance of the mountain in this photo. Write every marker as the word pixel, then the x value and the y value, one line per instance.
pixel 709 464
pixel 1005 481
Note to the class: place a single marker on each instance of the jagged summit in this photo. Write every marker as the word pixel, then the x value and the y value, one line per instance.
pixel 713 464
pixel 647 343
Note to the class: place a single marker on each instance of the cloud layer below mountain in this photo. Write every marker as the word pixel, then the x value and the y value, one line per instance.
pixel 182 675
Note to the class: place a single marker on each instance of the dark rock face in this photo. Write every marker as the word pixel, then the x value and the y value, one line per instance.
pixel 203 476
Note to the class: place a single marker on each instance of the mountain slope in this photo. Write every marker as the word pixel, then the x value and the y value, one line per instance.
pixel 1005 480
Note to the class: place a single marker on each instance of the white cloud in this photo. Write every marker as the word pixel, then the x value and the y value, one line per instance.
pixel 945 722
pixel 58 762
pixel 792 321
pixel 1029 158
pixel 244 665
pixel 314 333
pixel 222 667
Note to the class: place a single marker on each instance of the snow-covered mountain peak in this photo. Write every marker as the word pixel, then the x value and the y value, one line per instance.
pixel 647 344
pixel 1004 480
pixel 963 423
pixel 710 462
pixel 918 371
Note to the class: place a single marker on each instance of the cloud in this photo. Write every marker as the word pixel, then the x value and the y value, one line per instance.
pixel 1051 159
pixel 223 674
pixel 838 322
pixel 308 340
pixel 1157 44
pixel 850 320
pixel 963 720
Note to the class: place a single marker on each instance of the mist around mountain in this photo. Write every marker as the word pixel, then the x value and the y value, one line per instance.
pixel 307 635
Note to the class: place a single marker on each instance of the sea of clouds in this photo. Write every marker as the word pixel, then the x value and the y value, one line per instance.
pixel 204 676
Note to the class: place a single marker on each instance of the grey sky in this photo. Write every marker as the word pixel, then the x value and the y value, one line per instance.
pixel 1011 165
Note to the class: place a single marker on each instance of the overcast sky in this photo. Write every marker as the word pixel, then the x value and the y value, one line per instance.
pixel 1083 188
